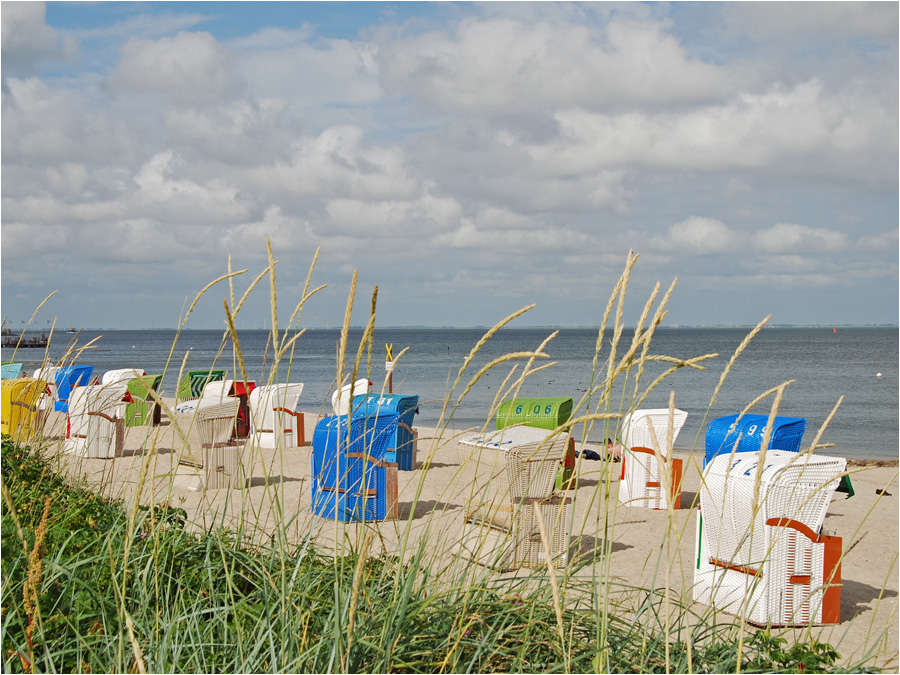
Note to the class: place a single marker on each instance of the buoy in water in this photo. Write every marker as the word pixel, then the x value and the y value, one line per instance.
pixel 878 375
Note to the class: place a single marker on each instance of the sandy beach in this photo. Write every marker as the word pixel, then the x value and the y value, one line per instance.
pixel 277 499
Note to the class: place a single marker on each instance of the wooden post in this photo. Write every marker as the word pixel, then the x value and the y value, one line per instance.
pixel 389 366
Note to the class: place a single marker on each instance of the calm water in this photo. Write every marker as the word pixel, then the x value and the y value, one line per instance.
pixel 825 366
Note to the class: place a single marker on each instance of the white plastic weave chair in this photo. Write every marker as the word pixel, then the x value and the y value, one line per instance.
pixel 96 421
pixel 641 481
pixel 769 561
pixel 510 476
pixel 275 422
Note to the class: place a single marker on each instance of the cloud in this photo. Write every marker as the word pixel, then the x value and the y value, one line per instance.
pixel 785 237
pixel 840 18
pixel 499 66
pixel 338 162
pixel 49 125
pixel 705 236
pixel 27 39
pixel 189 66
pixel 276 63
pixel 804 129
pixel 699 236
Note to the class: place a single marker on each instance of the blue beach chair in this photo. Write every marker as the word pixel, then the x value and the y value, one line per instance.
pixel 727 434
pixel 68 377
pixel 401 444
pixel 351 478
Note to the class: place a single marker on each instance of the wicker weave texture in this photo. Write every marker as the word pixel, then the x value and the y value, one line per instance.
pixel 766 573
pixel 503 467
pixel 94 436
pixel 221 457
pixel 20 398
pixel 727 434
pixel 640 469
pixel 401 448
pixel 519 544
pixel 272 428
pixel 347 485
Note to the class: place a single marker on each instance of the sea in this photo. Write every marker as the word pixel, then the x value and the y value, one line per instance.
pixel 824 365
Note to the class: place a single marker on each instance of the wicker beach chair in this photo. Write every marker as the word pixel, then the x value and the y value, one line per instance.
pixel 513 517
pixel 744 433
pixel 96 421
pixel 21 413
pixel 274 420
pixel 641 482
pixel 340 399
pixel 221 467
pixel 143 409
pixel 761 552
pixel 10 371
pixel 351 479
pixel 403 441
pixel 67 379
pixel 47 374
pixel 121 375
pixel 192 384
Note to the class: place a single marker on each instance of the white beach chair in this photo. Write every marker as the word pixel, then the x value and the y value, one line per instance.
pixel 121 375
pixel 47 374
pixel 213 392
pixel 221 453
pixel 511 474
pixel 96 421
pixel 768 560
pixel 275 423
pixel 641 481
pixel 340 399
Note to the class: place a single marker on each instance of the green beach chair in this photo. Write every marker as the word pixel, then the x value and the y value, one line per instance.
pixel 542 413
pixel 191 385
pixel 143 409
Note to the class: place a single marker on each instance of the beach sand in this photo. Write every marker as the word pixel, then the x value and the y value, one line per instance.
pixel 431 500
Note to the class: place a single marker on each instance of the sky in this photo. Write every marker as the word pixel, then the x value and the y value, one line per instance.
pixel 467 159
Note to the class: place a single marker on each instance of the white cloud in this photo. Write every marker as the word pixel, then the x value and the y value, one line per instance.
pixel 786 238
pixel 44 124
pixel 339 162
pixel 162 192
pixel 26 38
pixel 392 219
pixel 190 66
pixel 323 72
pixel 800 130
pixel 499 66
pixel 699 236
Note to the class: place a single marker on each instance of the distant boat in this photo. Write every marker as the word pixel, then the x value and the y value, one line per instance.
pixel 72 329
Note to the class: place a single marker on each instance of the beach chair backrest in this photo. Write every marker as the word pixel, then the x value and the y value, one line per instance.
pixel 215 423
pixel 120 375
pixel 19 407
pixel 340 399
pixel 637 425
pixel 10 370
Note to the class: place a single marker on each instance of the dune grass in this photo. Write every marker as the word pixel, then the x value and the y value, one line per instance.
pixel 96 583
pixel 211 603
